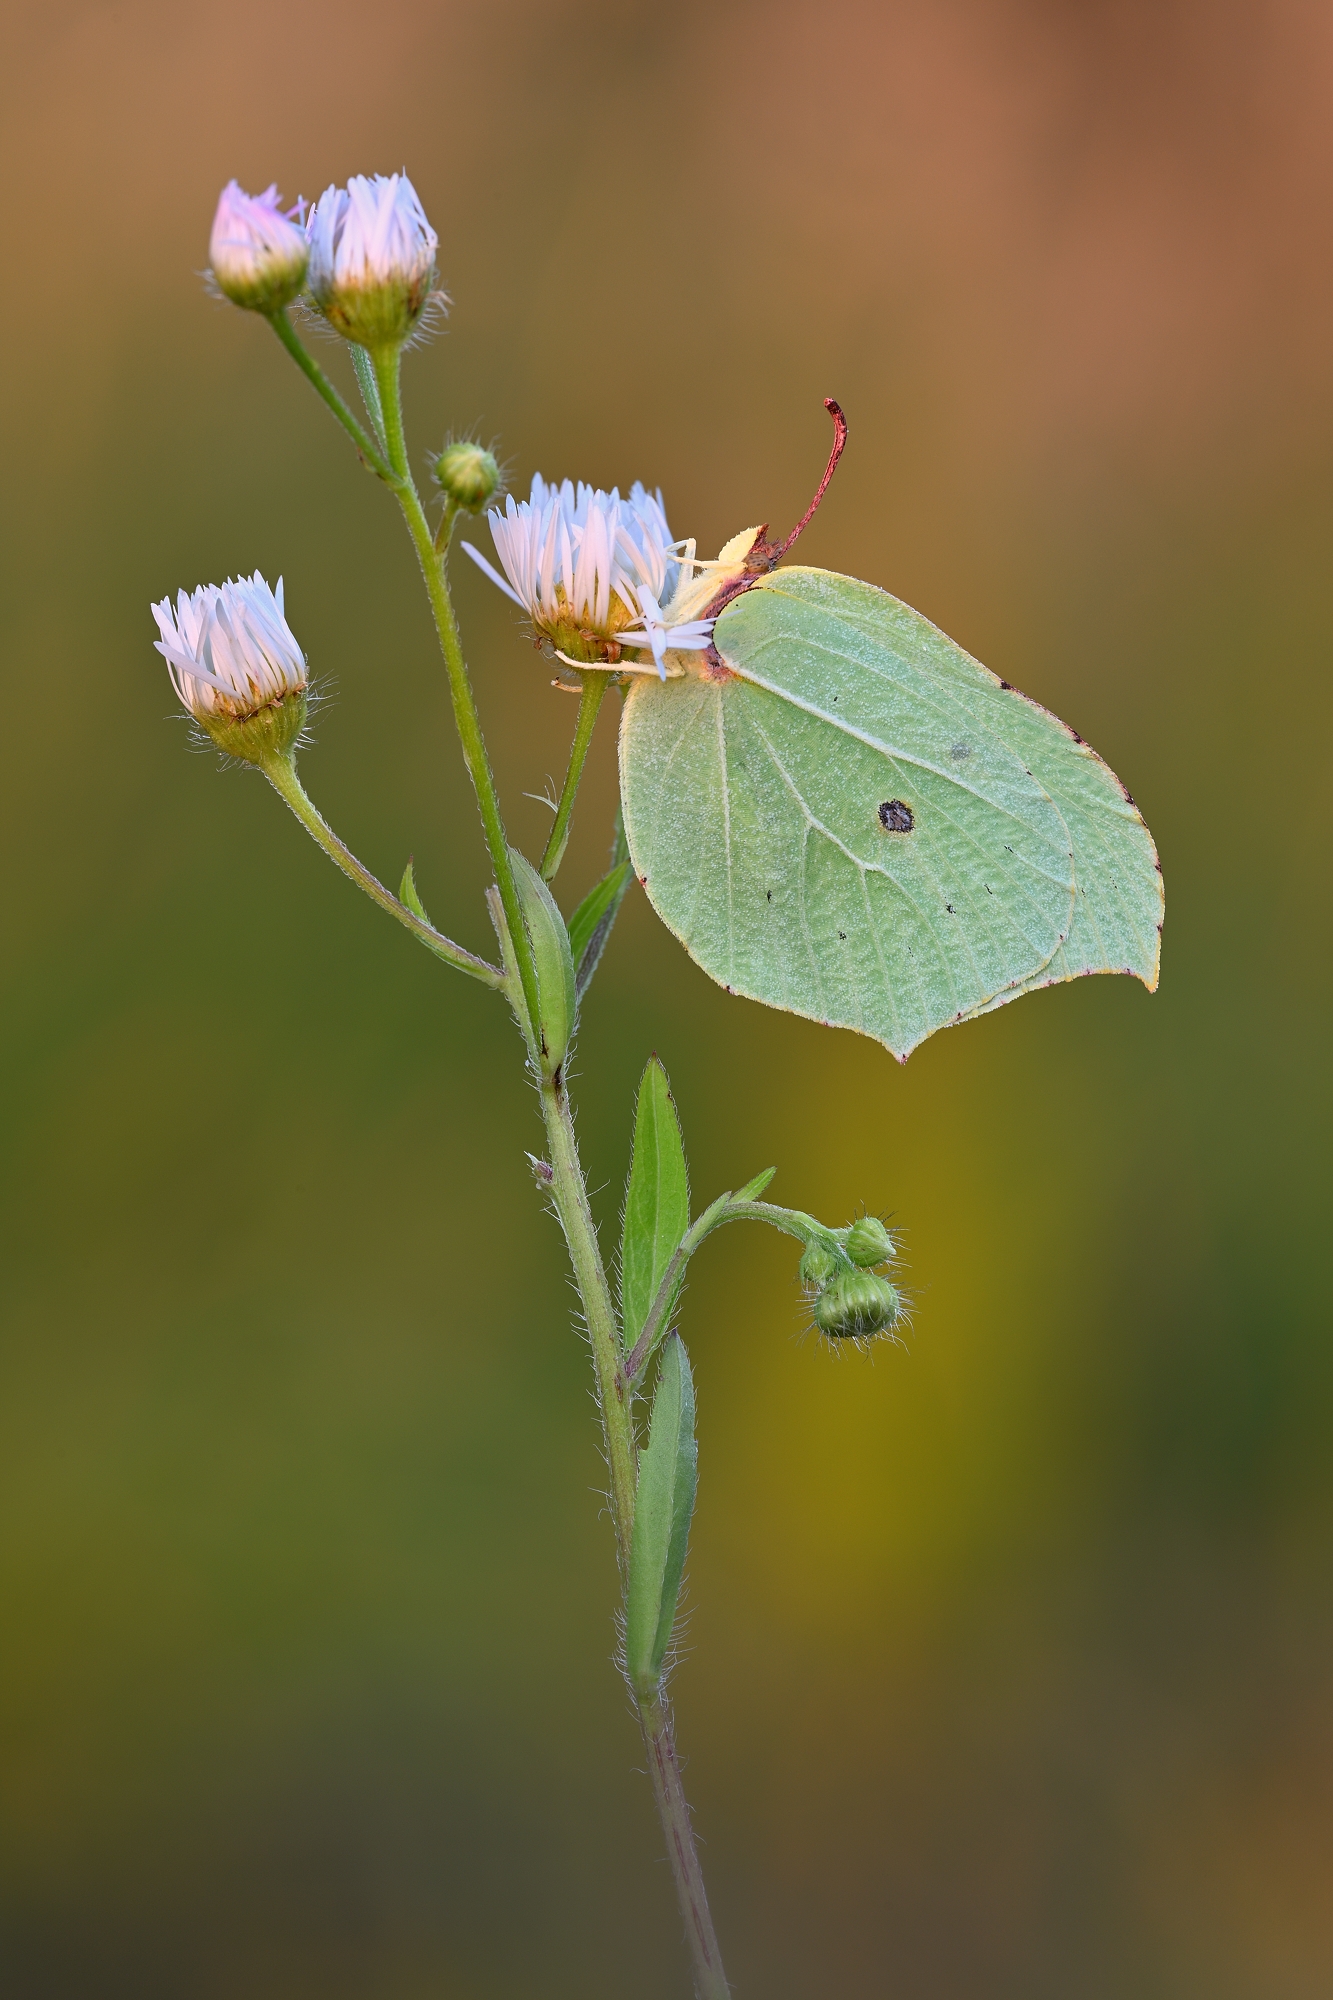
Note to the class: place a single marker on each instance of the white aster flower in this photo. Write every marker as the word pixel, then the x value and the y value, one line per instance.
pixel 372 258
pixel 235 664
pixel 259 254
pixel 597 574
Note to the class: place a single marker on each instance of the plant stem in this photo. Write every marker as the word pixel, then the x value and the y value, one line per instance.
pixel 792 1221
pixel 571 1201
pixel 468 722
pixel 281 774
pixel 710 1982
pixel 311 369
pixel 594 687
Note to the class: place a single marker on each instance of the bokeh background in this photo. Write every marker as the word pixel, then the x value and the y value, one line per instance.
pixel 1010 1653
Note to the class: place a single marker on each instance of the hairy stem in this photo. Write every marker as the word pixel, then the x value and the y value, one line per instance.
pixel 281 774
pixel 710 1982
pixel 468 722
pixel 311 369
pixel 571 1201
pixel 594 687
pixel 792 1222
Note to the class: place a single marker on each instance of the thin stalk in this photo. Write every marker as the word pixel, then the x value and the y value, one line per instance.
pixel 792 1221
pixel 594 688
pixel 281 774
pixel 571 1201
pixel 311 369
pixel 460 687
pixel 710 1982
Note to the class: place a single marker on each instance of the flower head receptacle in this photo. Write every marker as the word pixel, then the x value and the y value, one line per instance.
pixel 600 577
pixel 372 260
pixel 258 251
pixel 236 666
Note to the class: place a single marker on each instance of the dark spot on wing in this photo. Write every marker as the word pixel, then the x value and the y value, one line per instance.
pixel 843 934
pixel 770 895
pixel 950 908
pixel 896 817
pixel 1008 686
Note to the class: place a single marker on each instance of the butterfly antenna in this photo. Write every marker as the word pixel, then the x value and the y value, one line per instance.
pixel 839 446
pixel 765 555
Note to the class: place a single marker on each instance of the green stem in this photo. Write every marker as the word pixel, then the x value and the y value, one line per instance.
pixel 571 1201
pixel 445 531
pixel 710 1982
pixel 594 687
pixel 468 723
pixel 792 1221
pixel 311 369
pixel 281 774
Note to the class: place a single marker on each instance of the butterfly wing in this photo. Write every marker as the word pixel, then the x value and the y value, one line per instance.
pixel 861 824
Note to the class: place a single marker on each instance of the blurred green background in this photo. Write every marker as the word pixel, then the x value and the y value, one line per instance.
pixel 1010 1667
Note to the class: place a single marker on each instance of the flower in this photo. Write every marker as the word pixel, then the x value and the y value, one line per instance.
pixel 597 574
pixel 372 259
pixel 259 254
pixel 236 666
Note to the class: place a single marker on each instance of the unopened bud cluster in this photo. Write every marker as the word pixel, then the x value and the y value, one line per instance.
pixel 849 1301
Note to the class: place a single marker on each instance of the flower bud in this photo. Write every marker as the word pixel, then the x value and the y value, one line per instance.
pixel 855 1305
pixel 236 666
pixel 869 1243
pixel 259 255
pixel 372 259
pixel 467 475
pixel 817 1266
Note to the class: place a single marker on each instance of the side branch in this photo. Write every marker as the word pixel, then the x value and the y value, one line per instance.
pixel 322 386
pixel 792 1221
pixel 281 774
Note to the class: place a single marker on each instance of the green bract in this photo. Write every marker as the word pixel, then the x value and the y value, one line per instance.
pixel 854 820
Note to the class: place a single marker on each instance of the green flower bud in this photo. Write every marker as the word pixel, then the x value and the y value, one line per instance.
pixel 817 1266
pixel 855 1305
pixel 869 1243
pixel 468 475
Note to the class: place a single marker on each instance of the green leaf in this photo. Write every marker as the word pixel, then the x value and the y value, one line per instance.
pixel 407 893
pixel 859 823
pixel 753 1189
pixel 668 1479
pixel 590 925
pixel 555 968
pixel 657 1200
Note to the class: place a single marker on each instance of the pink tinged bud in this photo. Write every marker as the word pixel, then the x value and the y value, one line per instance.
pixel 259 255
pixel 372 259
pixel 236 666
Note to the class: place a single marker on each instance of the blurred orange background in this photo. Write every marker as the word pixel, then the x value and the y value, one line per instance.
pixel 1009 1656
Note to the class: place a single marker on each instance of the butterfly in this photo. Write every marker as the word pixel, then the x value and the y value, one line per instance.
pixel 841 813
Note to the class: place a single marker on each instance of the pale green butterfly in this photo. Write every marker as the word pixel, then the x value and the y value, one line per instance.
pixel 840 813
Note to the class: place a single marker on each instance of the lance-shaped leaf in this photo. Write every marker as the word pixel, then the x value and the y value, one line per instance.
pixel 407 893
pixel 551 955
pixel 657 1200
pixel 590 925
pixel 668 1477
pixel 854 820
